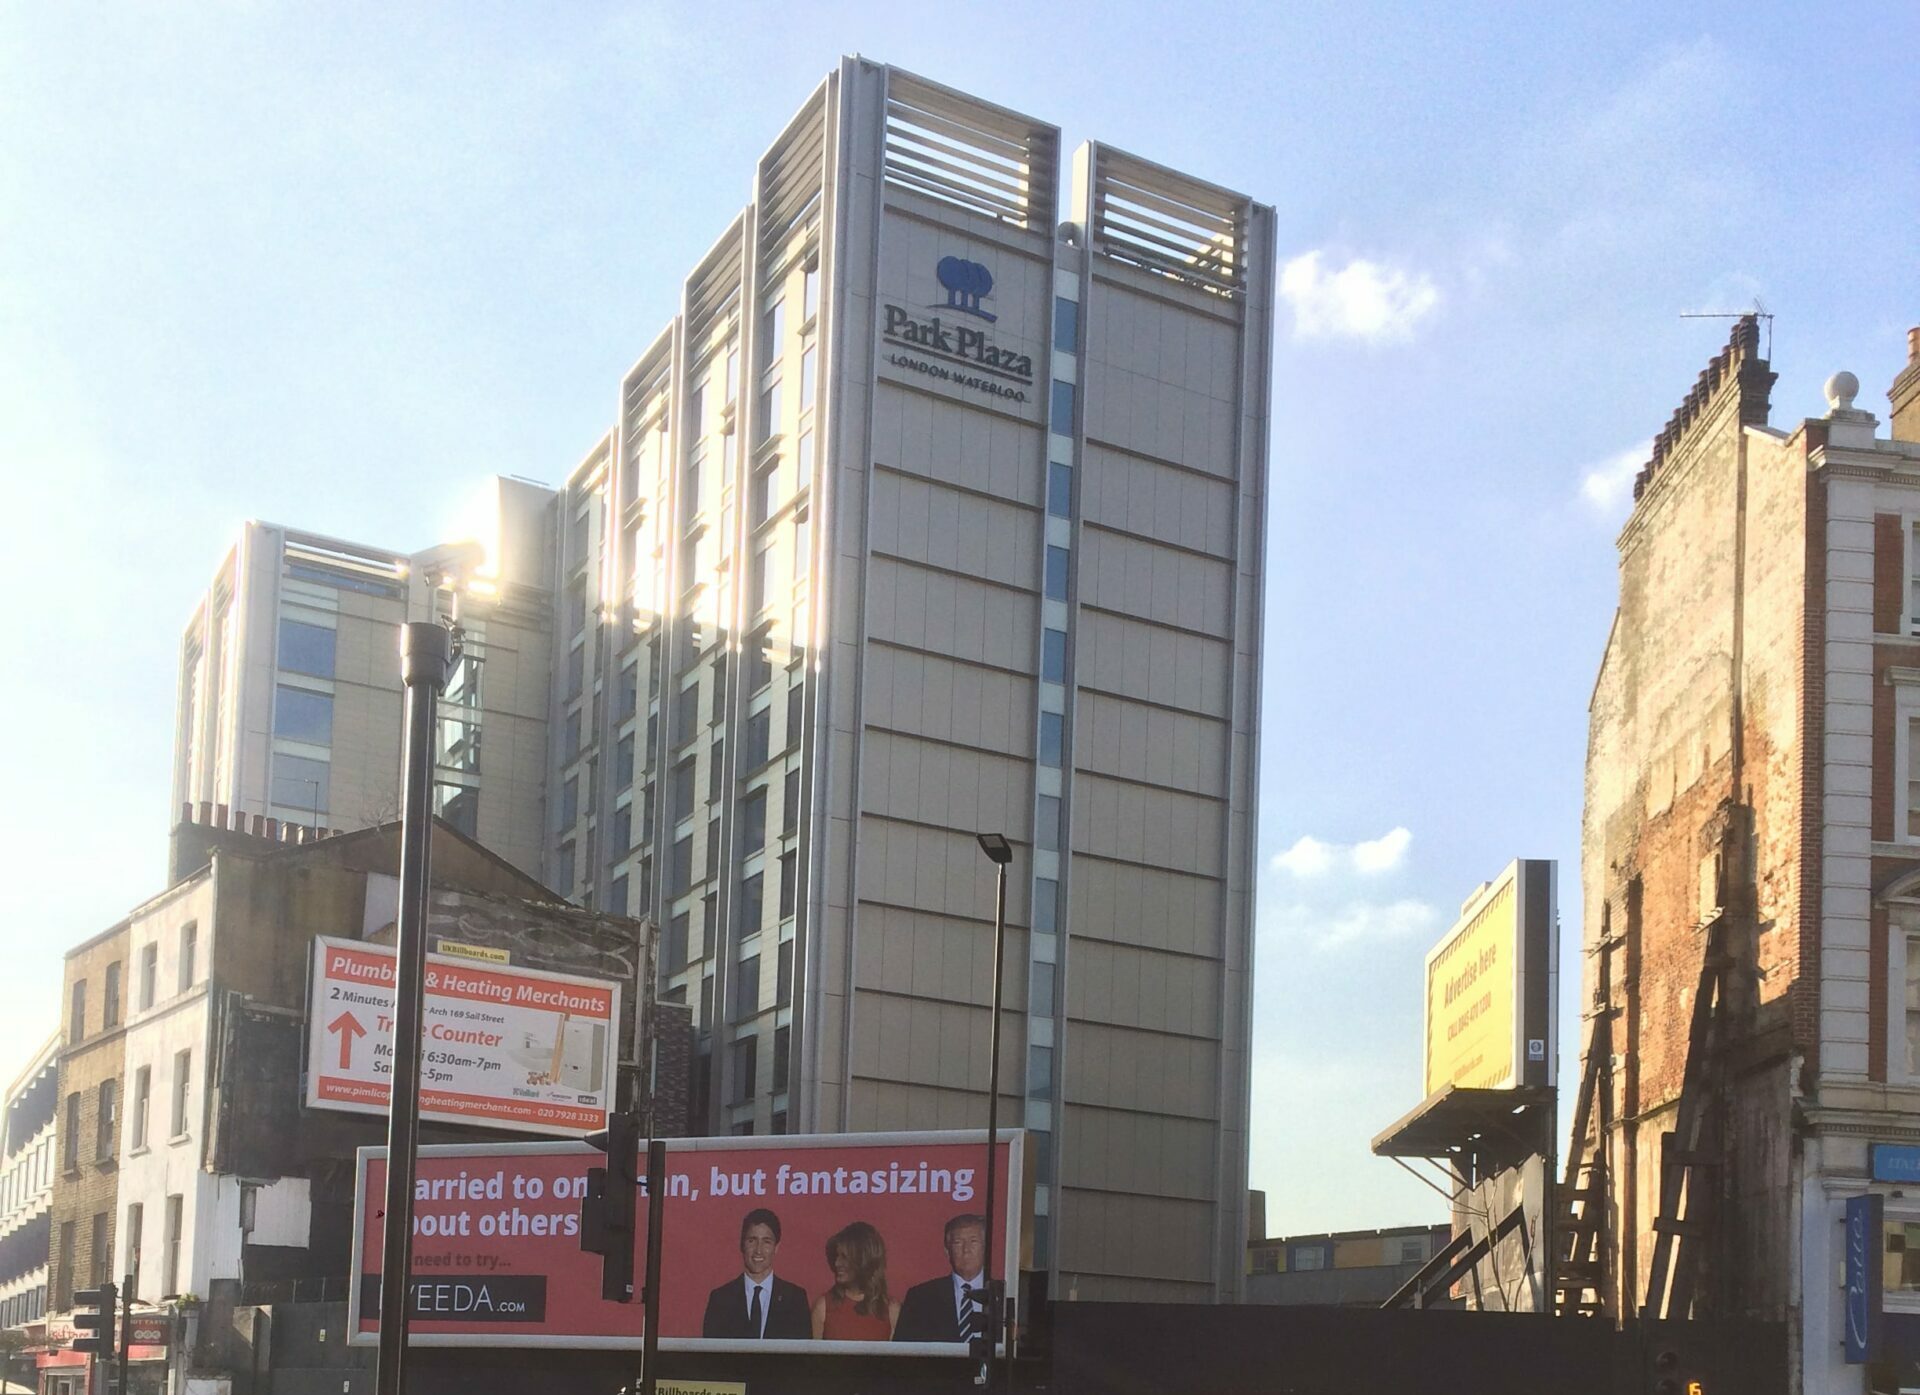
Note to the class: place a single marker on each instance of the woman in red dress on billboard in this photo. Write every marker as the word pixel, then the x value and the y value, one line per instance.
pixel 856 1308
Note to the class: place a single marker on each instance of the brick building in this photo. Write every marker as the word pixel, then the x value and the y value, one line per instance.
pixel 1751 857
pixel 86 1183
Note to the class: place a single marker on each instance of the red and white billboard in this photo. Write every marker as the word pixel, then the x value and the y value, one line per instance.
pixel 506 1048
pixel 841 1242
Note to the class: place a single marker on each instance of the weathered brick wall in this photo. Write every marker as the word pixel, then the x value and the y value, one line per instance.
pixel 90 1188
pixel 1696 801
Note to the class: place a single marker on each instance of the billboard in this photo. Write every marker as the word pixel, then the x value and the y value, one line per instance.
pixel 1491 989
pixel 497 1258
pixel 501 1047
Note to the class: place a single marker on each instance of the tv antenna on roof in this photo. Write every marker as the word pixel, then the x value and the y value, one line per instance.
pixel 1759 312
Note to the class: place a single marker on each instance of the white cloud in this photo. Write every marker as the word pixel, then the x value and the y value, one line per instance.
pixel 1357 923
pixel 1606 486
pixel 1364 300
pixel 1382 854
pixel 1307 858
pixel 1315 857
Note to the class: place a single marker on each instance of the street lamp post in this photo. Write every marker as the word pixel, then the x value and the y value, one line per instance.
pixel 426 658
pixel 1000 852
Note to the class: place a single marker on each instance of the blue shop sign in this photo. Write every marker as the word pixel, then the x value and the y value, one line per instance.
pixel 1896 1162
pixel 1865 1218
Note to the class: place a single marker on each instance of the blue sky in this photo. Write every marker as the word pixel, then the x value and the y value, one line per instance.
pixel 332 265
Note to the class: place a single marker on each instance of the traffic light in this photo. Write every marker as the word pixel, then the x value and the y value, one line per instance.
pixel 93 1315
pixel 606 1211
pixel 982 1322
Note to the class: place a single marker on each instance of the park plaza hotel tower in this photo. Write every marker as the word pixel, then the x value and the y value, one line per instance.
pixel 937 509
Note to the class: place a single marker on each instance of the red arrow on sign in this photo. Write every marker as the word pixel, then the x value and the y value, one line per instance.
pixel 348 1026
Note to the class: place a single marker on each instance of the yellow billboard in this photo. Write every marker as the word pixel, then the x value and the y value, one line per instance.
pixel 1470 994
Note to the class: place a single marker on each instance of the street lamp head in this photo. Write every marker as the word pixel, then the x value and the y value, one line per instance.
pixel 997 848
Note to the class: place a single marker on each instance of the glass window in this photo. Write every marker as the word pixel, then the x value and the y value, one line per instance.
pixel 1304 1257
pixel 759 735
pixel 1060 419
pixel 676 948
pixel 682 789
pixel 803 461
pixel 564 868
pixel 753 822
pixel 752 908
pixel 623 762
pixel 770 409
pixel 106 1121
pixel 300 783
pixel 1040 988
pixel 182 1087
pixel 733 374
pixel 1053 656
pixel 789 886
pixel 1059 489
pixel 680 872
pixel 783 972
pixel 790 799
pixel 802 555
pixel 1056 584
pixel 746 1065
pixel 1913 1015
pixel 460 807
pixel 1040 1072
pixel 1046 899
pixel 570 802
pixel 773 332
pixel 1052 737
pixel 713 846
pixel 149 974
pixel 781 1053
pixel 807 362
pixel 189 954
pixel 300 715
pixel 77 1013
pixel 696 422
pixel 571 742
pixel 142 1101
pixel 577 608
pixel 716 771
pixel 1913 777
pixel 746 987
pixel 1046 832
pixel 622 829
pixel 687 712
pixel 810 293
pixel 630 690
pixel 796 710
pixel 576 670
pixel 1066 325
pixel 766 493
pixel 306 648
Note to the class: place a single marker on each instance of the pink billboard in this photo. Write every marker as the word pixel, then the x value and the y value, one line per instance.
pixel 845 1242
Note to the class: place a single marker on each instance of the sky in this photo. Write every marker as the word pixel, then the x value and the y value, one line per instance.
pixel 334 265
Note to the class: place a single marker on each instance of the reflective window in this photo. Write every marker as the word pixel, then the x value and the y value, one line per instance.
pixel 1059 489
pixel 1046 832
pixel 807 363
pixel 1056 581
pixel 810 293
pixel 1053 656
pixel 1040 989
pixel 1040 1072
pixel 1046 903
pixel 1052 737
pixel 1066 325
pixel 1060 419
pixel 306 648
pixel 300 715
pixel 300 783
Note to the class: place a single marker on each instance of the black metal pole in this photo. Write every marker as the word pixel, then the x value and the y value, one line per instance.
pixel 426 655
pixel 994 1299
pixel 126 1329
pixel 656 1227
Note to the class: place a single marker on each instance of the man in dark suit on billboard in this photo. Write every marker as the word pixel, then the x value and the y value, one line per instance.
pixel 756 1305
pixel 942 1309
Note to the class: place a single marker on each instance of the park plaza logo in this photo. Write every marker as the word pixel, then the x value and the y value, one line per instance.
pixel 966 285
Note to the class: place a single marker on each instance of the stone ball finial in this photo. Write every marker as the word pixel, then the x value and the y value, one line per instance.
pixel 1841 389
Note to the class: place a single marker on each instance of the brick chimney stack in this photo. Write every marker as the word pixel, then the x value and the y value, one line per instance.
pixel 1905 393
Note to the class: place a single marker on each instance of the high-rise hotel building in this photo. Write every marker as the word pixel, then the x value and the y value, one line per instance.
pixel 939 509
